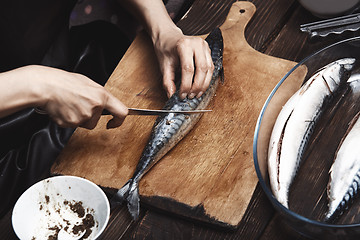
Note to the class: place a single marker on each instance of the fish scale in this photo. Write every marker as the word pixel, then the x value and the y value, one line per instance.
pixel 344 181
pixel 346 201
pixel 170 128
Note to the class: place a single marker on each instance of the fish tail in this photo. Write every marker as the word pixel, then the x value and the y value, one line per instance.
pixel 283 199
pixel 129 193
pixel 346 202
pixel 330 218
pixel 121 195
pixel 133 200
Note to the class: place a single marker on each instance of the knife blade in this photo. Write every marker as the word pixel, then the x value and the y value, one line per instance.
pixel 138 111
pixel 152 112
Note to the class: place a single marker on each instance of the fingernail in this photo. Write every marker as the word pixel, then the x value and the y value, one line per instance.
pixel 170 93
pixel 192 95
pixel 199 94
pixel 183 95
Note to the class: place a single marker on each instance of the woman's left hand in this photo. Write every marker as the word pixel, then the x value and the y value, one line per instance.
pixel 174 50
pixel 191 55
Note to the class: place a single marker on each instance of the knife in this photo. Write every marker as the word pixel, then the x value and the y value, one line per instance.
pixel 151 112
pixel 138 111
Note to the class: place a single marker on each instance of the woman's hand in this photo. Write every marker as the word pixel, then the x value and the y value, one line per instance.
pixel 75 100
pixel 174 50
pixel 70 99
pixel 189 54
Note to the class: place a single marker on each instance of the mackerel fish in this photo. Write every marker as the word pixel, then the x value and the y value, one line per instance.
pixel 296 121
pixel 344 180
pixel 170 128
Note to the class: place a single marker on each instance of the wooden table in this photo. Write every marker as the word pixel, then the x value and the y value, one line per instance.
pixel 274 30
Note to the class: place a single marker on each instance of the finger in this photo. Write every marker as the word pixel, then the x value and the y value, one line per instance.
pixel 117 109
pixel 201 69
pixel 115 122
pixel 93 120
pixel 115 106
pixel 186 57
pixel 209 73
pixel 91 124
pixel 169 79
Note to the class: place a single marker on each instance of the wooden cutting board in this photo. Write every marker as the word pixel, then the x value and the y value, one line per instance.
pixel 209 176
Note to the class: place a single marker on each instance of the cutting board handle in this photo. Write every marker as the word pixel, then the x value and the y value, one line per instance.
pixel 239 15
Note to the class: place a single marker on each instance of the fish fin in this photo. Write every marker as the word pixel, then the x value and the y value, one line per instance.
pixel 133 201
pixel 121 194
pixel 333 215
pixel 219 67
pixel 129 193
pixel 283 199
pixel 222 76
pixel 329 218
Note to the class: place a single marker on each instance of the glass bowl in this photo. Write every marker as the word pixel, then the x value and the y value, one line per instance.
pixel 329 8
pixel 307 195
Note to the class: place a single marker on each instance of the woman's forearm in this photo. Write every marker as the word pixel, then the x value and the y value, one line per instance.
pixel 18 90
pixel 152 15
pixel 70 99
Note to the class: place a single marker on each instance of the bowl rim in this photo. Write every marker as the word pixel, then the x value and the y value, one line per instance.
pixel 332 12
pixel 267 191
pixel 100 191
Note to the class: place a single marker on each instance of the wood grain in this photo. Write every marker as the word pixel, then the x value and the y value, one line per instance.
pixel 156 225
pixel 272 28
pixel 212 182
pixel 307 194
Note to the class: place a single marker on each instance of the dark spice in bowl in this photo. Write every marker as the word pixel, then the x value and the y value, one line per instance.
pixel 86 215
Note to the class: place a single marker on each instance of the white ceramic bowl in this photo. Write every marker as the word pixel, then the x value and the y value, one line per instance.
pixel 328 8
pixel 60 202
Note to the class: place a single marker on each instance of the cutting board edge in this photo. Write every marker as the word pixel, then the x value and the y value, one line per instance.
pixel 196 213
pixel 200 206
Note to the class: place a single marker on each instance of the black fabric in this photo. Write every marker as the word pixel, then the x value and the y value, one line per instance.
pixel 96 49
pixel 29 28
pixel 29 141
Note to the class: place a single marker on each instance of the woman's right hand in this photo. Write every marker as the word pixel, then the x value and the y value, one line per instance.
pixel 70 99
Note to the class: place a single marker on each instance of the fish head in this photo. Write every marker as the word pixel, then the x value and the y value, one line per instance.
pixel 338 72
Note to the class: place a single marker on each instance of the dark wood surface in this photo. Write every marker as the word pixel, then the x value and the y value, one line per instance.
pixel 274 30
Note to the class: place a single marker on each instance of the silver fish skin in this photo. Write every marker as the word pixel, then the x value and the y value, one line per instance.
pixel 344 180
pixel 295 123
pixel 170 128
pixel 354 83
